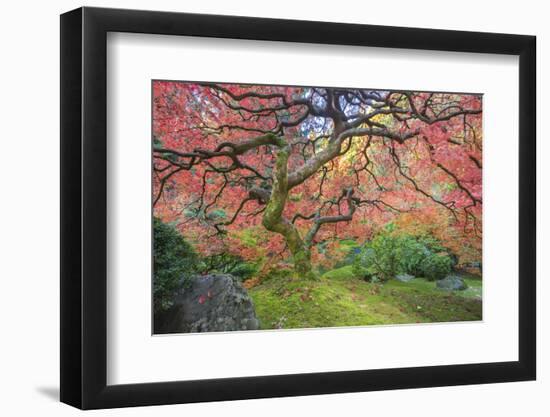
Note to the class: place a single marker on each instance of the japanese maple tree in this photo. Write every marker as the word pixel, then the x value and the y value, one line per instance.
pixel 309 163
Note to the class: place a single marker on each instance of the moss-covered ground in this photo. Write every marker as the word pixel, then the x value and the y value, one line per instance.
pixel 339 298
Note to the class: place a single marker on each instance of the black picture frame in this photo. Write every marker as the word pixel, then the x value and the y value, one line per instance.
pixel 84 207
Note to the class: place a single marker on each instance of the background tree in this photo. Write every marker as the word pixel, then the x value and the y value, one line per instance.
pixel 311 163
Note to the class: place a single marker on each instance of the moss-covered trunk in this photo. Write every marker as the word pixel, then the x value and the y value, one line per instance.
pixel 274 221
pixel 301 255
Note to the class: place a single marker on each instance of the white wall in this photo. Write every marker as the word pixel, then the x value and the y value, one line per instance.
pixel 29 225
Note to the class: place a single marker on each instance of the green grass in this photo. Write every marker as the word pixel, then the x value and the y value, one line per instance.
pixel 346 272
pixel 474 289
pixel 340 299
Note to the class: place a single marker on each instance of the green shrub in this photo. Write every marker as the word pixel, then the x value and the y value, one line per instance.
pixel 436 266
pixel 390 254
pixel 412 253
pixel 360 271
pixel 434 246
pixel 384 257
pixel 380 259
pixel 174 261
pixel 431 243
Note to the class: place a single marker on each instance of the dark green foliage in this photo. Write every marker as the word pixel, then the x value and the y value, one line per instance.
pixel 378 260
pixel 228 264
pixel 434 246
pixel 436 266
pixel 431 243
pixel 360 271
pixel 390 254
pixel 174 261
pixel 244 270
pixel 412 253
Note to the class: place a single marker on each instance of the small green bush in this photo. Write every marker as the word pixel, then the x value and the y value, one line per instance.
pixel 390 254
pixel 436 266
pixel 412 253
pixel 174 261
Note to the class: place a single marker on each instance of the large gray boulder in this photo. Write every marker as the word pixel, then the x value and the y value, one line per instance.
pixel 213 303
pixel 451 283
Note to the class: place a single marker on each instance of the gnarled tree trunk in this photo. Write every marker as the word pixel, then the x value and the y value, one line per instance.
pixel 274 221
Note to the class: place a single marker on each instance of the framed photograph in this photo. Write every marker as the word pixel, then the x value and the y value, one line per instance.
pixel 257 208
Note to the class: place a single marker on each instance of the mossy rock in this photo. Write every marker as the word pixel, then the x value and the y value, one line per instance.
pixel 451 283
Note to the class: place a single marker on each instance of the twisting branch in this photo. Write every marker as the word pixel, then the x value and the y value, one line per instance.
pixel 218 226
pixel 319 220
